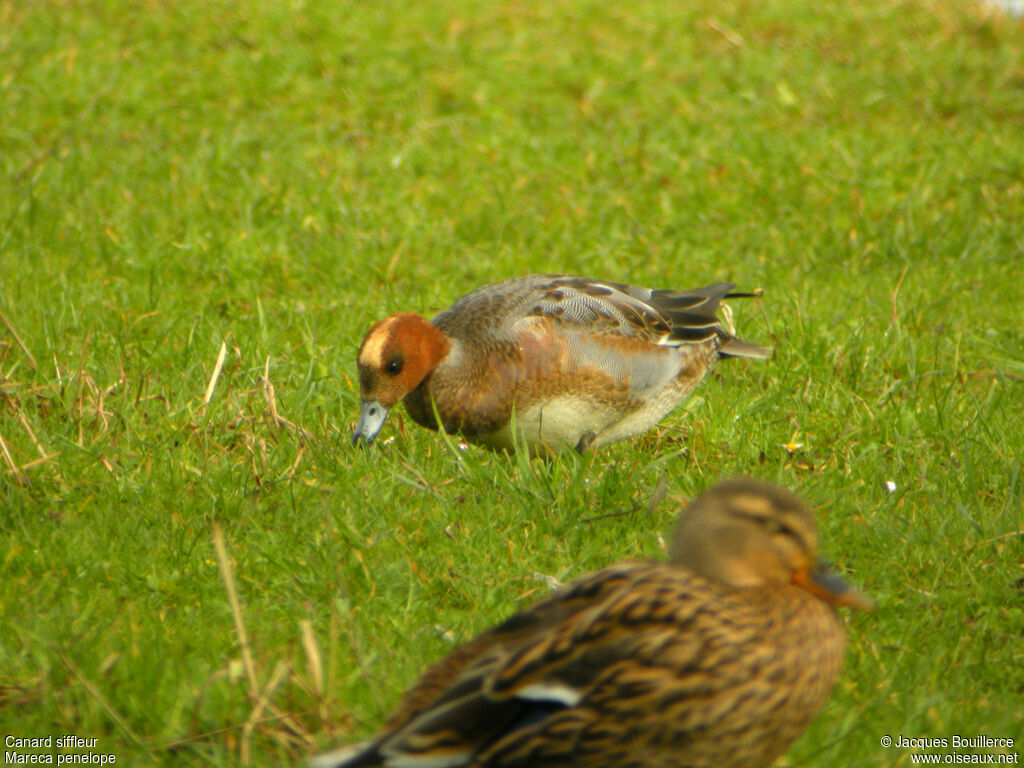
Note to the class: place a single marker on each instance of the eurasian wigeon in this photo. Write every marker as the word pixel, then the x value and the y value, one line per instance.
pixel 718 658
pixel 571 361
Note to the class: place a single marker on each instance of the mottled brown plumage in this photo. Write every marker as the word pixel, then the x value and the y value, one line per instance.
pixel 719 658
pixel 578 362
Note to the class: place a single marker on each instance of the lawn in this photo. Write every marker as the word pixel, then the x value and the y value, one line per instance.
pixel 206 204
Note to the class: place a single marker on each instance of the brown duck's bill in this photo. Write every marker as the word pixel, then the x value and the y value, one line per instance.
pixel 372 416
pixel 820 581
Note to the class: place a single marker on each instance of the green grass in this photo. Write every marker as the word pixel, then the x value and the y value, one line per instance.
pixel 277 176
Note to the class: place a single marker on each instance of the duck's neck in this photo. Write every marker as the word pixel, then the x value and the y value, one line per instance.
pixel 440 350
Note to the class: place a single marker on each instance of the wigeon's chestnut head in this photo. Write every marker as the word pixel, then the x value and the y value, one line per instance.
pixel 720 657
pixel 569 361
pixel 396 356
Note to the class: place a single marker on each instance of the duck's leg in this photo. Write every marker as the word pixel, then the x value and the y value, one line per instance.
pixel 585 442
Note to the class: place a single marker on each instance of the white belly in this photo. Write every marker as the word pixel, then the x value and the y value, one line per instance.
pixel 557 424
pixel 565 421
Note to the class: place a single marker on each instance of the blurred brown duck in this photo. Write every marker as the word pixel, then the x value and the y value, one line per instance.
pixel 720 657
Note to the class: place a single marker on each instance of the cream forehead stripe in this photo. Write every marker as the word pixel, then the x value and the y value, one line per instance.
pixel 372 353
pixel 758 506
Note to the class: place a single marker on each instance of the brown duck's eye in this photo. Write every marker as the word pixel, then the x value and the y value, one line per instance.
pixel 394 366
pixel 785 530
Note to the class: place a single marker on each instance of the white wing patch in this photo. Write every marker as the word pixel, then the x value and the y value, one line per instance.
pixel 559 692
pixel 337 757
pixel 428 761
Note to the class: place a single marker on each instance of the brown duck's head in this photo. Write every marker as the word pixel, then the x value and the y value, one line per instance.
pixel 748 533
pixel 397 354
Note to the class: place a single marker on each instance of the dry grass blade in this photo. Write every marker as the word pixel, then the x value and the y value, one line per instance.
pixel 206 735
pixel 83 378
pixel 38 462
pixel 298 458
pixel 215 376
pixel 734 38
pixel 261 699
pixel 95 693
pixel 236 610
pixel 32 436
pixel 271 398
pixel 19 478
pixel 659 493
pixel 280 671
pixel 21 343
pixel 896 292
pixel 316 667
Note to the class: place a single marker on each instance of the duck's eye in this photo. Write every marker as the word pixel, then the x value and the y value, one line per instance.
pixel 788 531
pixel 778 528
pixel 394 366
